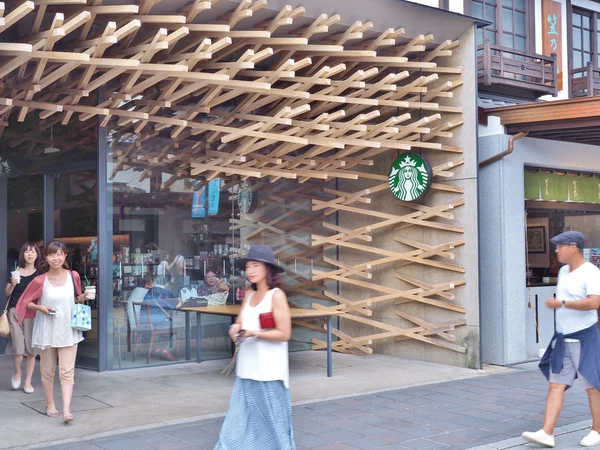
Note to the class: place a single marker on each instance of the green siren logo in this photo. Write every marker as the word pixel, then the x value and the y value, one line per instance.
pixel 410 177
pixel 244 197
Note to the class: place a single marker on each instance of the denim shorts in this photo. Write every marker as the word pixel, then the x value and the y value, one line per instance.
pixel 570 369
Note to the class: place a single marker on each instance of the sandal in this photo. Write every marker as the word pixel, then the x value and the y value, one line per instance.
pixel 54 413
pixel 68 418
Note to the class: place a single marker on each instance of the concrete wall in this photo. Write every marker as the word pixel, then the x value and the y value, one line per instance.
pixel 504 309
pixel 465 176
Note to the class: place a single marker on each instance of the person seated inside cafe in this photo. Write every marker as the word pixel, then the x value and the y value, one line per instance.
pixel 211 284
pixel 161 304
pixel 160 300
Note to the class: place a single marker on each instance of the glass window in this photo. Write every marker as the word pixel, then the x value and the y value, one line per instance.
pixel 173 247
pixel 514 21
pixel 586 21
pixel 477 10
pixel 584 31
pixel 587 41
pixel 175 241
pixel 520 24
pixel 76 225
pixel 490 13
pixel 507 20
pixel 577 39
pixel 577 59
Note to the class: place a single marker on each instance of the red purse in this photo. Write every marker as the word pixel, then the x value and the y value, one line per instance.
pixel 266 320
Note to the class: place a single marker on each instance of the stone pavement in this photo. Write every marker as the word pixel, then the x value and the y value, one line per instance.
pixel 123 401
pixel 566 437
pixel 452 415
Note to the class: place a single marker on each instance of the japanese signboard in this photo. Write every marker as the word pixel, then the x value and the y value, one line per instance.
pixel 552 35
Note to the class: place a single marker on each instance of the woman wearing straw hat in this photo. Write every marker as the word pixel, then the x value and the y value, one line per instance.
pixel 260 411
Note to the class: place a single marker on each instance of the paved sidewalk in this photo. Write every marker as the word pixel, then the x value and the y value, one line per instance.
pixel 116 402
pixel 453 415
pixel 566 438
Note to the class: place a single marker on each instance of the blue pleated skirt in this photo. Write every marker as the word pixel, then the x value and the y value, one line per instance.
pixel 259 417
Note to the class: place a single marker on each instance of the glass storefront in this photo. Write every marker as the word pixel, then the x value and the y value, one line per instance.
pixel 175 242
pixel 171 239
pixel 52 193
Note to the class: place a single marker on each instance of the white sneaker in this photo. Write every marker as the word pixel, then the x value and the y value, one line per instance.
pixel 593 438
pixel 29 390
pixel 539 437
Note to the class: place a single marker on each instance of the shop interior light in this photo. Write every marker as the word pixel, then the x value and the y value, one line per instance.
pixel 52 148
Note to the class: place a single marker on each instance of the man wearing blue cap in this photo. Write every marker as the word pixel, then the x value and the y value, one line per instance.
pixel 575 348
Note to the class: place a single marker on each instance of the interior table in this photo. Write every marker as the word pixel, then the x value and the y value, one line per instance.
pixel 234 310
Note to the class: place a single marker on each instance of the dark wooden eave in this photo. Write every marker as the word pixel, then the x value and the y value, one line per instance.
pixel 572 120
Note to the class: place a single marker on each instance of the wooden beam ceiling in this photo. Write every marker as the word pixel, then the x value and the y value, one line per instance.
pixel 282 100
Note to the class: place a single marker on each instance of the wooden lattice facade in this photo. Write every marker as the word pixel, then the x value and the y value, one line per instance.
pixel 245 92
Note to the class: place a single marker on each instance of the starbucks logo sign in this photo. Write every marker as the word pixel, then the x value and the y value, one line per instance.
pixel 244 197
pixel 410 177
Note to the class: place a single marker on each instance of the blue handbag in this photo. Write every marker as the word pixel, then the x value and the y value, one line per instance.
pixel 81 319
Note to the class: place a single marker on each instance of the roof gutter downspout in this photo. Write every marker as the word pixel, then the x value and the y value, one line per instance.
pixel 508 151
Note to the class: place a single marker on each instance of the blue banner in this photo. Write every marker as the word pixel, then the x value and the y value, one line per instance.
pixel 199 202
pixel 214 192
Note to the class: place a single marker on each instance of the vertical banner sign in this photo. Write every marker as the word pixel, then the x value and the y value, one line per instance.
pixel 214 192
pixel 199 202
pixel 552 35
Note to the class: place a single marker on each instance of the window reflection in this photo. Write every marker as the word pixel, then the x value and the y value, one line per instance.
pixel 178 240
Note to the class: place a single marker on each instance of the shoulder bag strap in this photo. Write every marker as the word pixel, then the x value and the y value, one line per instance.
pixel 7 303
pixel 74 287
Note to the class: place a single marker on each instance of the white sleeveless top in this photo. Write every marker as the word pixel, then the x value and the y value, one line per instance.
pixel 259 359
pixel 56 331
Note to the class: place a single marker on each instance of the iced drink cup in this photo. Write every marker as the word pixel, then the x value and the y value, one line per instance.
pixel 16 274
pixel 90 292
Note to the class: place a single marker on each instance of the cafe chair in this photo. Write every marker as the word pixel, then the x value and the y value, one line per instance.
pixel 156 332
pixel 138 328
pixel 134 331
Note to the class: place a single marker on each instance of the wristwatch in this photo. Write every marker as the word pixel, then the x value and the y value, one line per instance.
pixel 564 304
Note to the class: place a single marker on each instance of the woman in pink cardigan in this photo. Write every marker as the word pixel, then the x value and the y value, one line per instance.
pixel 50 298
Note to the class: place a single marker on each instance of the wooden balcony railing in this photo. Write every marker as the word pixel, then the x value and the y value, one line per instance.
pixel 585 81
pixel 514 72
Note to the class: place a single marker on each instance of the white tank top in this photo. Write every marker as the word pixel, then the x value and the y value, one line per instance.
pixel 258 359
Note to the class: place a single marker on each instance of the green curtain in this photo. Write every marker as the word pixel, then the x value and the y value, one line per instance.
pixel 547 181
pixel 532 185
pixel 592 189
pixel 576 188
pixel 561 187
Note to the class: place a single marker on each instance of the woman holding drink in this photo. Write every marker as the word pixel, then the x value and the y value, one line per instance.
pixel 50 298
pixel 19 343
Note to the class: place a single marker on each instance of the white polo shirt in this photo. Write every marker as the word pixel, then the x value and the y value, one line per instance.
pixel 574 286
